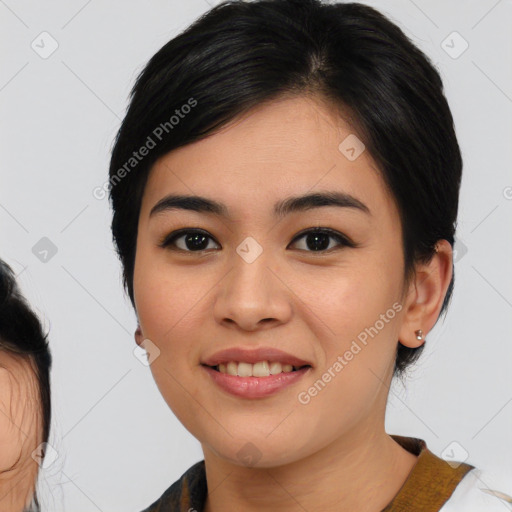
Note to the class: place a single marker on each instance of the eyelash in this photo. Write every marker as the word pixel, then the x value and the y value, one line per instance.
pixel 171 238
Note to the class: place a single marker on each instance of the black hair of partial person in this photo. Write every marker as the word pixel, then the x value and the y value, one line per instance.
pixel 242 54
pixel 22 335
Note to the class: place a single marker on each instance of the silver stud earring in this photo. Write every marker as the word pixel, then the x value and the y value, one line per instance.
pixel 419 334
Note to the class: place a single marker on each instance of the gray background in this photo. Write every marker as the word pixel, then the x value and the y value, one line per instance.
pixel 118 444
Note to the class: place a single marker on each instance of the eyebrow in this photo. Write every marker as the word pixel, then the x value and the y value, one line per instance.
pixel 281 208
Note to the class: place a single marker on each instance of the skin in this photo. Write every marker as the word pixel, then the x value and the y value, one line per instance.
pixel 19 432
pixel 333 453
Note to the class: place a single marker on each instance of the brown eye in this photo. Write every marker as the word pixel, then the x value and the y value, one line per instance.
pixel 188 240
pixel 319 240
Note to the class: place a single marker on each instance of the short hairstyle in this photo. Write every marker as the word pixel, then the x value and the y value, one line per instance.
pixel 241 54
pixel 21 334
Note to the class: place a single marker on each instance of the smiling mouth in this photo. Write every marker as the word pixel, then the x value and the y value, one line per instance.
pixel 259 369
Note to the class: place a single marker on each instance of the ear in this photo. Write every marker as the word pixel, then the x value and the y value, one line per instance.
pixel 426 294
pixel 139 337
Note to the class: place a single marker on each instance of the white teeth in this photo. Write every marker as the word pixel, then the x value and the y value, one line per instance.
pixel 260 369
pixel 245 369
pixel 232 368
pixel 275 367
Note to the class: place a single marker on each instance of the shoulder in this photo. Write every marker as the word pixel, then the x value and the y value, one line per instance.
pixel 472 494
pixel 187 493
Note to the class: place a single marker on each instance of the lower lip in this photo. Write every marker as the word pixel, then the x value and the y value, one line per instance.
pixel 255 387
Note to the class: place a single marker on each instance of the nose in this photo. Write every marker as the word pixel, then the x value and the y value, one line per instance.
pixel 253 295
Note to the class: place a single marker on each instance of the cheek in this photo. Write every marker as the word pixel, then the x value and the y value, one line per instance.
pixel 358 309
pixel 346 302
pixel 360 318
pixel 169 307
pixel 10 437
pixel 165 297
pixel 17 412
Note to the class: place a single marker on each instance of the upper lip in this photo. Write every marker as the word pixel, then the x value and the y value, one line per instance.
pixel 253 356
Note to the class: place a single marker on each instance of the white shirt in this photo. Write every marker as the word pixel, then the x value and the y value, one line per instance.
pixel 469 496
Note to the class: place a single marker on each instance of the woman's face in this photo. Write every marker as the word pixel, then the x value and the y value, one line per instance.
pixel 20 430
pixel 252 279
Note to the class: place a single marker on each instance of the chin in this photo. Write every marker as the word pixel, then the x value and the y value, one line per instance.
pixel 255 451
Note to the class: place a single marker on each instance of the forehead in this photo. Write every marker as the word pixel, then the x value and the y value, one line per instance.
pixel 289 146
pixel 17 367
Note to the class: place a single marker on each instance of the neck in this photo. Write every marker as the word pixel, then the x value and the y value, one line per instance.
pixel 361 471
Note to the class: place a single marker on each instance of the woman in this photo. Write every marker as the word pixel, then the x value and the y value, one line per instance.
pixel 25 402
pixel 285 190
